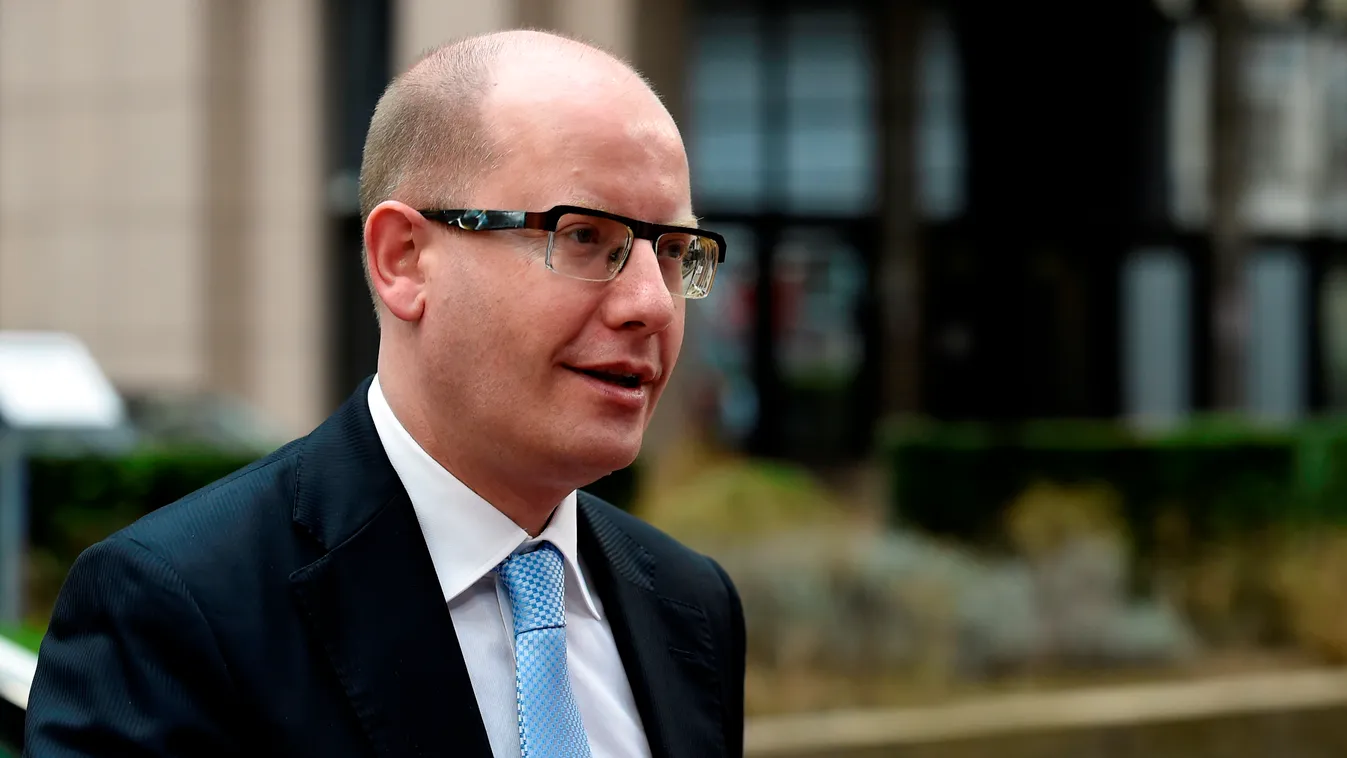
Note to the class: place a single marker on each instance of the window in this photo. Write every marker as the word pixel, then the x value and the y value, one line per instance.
pixel 782 112
pixel 940 149
pixel 784 149
pixel 1156 343
pixel 1279 289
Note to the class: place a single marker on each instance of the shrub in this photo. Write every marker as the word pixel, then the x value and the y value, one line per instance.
pixel 736 499
pixel 1222 476
pixel 77 501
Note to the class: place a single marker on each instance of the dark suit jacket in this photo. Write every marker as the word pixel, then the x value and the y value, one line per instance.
pixel 291 609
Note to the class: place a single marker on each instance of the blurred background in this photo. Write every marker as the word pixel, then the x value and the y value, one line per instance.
pixel 1022 384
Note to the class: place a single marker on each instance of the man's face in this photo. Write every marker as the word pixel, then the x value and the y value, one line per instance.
pixel 503 340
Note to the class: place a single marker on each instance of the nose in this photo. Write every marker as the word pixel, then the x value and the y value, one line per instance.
pixel 638 298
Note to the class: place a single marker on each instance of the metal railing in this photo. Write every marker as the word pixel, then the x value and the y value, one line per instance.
pixel 17 666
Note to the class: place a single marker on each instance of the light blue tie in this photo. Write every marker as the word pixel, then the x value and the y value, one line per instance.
pixel 549 720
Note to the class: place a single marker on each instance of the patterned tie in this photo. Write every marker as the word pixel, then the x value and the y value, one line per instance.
pixel 549 720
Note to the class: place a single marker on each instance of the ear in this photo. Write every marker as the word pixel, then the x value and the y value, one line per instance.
pixel 393 233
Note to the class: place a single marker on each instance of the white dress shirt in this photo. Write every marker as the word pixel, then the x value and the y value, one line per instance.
pixel 467 538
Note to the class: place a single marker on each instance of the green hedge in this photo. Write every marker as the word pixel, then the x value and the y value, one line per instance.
pixel 957 479
pixel 78 501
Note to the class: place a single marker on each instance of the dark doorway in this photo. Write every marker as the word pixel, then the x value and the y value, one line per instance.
pixel 357 46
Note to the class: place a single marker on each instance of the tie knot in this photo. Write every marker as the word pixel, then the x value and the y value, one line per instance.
pixel 536 581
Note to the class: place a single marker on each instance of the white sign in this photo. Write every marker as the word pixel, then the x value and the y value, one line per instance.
pixel 49 380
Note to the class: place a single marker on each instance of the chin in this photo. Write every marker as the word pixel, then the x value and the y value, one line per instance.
pixel 601 454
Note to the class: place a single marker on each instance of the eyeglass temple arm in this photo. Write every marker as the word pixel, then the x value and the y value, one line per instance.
pixel 474 220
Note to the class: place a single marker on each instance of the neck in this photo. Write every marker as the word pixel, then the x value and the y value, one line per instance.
pixel 529 504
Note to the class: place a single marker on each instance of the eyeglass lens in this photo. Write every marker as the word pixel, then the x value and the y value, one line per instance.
pixel 594 248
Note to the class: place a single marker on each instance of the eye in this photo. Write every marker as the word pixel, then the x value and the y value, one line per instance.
pixel 674 248
pixel 583 234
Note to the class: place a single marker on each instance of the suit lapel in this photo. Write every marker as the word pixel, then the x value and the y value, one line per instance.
pixel 665 644
pixel 373 602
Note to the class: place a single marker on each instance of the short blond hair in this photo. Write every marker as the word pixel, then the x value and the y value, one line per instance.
pixel 427 139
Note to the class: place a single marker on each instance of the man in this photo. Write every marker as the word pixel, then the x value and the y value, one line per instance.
pixel 418 576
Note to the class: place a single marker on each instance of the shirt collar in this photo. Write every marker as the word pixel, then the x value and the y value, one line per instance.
pixel 466 535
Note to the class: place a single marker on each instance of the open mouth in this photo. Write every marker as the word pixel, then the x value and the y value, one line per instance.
pixel 629 381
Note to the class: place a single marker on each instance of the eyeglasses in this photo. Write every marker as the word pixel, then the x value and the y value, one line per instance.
pixel 594 245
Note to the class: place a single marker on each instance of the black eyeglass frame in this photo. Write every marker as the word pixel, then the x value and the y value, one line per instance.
pixel 477 220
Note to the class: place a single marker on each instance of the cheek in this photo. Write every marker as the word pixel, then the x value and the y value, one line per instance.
pixel 673 337
pixel 466 321
pixel 525 331
pixel 503 326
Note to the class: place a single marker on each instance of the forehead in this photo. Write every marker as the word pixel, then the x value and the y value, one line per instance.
pixel 602 144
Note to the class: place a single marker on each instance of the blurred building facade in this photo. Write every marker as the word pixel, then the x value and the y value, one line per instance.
pixel 174 178
pixel 951 208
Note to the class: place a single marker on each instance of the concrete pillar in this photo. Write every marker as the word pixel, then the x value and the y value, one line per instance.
pixel 423 24
pixel 285 261
pixel 103 182
pixel 159 192
pixel 420 25
pixel 264 278
pixel 610 24
pixel 228 161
